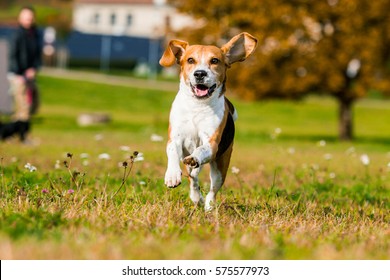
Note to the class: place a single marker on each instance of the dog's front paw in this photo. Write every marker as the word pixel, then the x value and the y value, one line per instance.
pixel 173 178
pixel 191 161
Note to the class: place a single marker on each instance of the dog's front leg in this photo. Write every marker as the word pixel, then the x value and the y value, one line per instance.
pixel 200 156
pixel 173 173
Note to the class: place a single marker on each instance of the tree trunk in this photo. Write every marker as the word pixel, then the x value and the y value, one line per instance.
pixel 345 119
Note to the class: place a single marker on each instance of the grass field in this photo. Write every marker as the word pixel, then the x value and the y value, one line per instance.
pixel 295 192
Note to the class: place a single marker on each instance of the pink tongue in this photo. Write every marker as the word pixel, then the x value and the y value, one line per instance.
pixel 201 92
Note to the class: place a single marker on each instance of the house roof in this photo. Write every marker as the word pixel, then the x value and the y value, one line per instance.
pixel 116 1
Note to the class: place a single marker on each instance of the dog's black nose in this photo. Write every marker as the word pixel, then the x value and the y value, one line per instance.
pixel 200 74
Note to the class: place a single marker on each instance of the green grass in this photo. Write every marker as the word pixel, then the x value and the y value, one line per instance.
pixel 299 194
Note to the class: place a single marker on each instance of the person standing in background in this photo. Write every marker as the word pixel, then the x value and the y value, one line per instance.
pixel 25 60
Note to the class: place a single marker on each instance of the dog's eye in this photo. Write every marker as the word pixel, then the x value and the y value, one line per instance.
pixel 191 60
pixel 214 61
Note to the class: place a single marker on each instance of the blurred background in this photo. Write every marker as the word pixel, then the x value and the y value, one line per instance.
pixel 325 47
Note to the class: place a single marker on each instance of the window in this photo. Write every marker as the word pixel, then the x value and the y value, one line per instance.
pixel 113 19
pixel 129 20
pixel 95 19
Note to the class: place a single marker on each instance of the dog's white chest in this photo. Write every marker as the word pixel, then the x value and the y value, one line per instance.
pixel 193 123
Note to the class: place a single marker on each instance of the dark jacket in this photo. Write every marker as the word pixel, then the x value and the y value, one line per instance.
pixel 25 50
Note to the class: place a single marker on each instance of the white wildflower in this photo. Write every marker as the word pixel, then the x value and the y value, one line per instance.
pixel 30 167
pixel 85 162
pixel 276 133
pixel 291 150
pixel 235 170
pixel 365 159
pixel 350 151
pixel 321 143
pixel 156 138
pixel 328 156
pixel 84 155
pixel 332 175
pixel 139 157
pixel 142 183
pixel 315 166
pixel 98 137
pixel 104 156
pixel 57 165
pixel 124 148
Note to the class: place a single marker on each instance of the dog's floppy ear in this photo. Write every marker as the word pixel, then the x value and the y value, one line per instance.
pixel 173 52
pixel 239 47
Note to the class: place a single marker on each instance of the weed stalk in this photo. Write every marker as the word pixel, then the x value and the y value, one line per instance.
pixel 126 172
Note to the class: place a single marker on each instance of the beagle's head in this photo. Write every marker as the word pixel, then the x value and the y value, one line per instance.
pixel 203 68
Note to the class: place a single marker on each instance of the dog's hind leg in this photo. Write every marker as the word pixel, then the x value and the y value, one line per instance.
pixel 218 170
pixel 195 193
pixel 216 183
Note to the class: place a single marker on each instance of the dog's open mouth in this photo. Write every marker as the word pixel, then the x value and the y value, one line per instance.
pixel 203 91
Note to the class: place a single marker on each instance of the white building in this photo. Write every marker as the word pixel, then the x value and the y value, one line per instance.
pixel 136 18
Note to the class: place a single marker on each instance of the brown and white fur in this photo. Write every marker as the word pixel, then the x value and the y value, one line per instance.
pixel 201 122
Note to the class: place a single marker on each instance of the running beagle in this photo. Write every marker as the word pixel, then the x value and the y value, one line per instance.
pixel 201 122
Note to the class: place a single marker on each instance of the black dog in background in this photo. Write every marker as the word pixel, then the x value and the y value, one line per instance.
pixel 10 129
pixel 21 128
